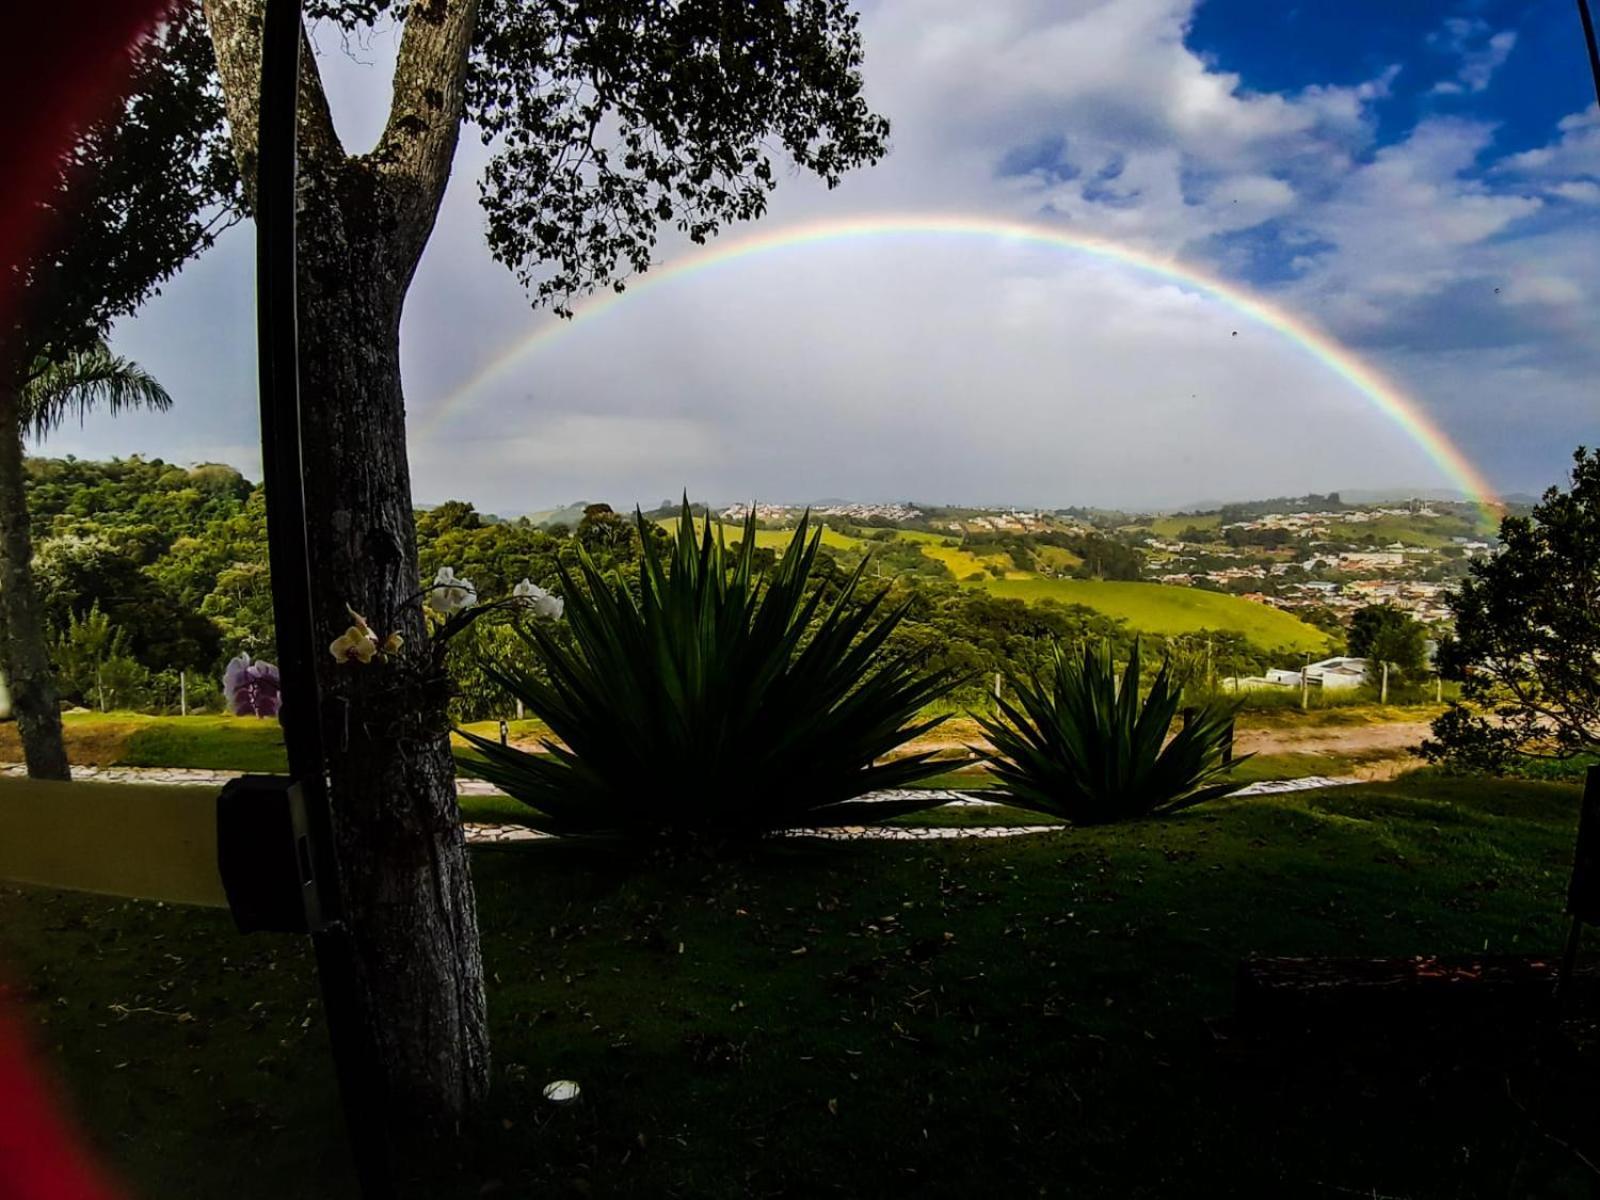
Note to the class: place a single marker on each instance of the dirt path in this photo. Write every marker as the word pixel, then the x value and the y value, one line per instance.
pixel 1396 737
pixel 1382 748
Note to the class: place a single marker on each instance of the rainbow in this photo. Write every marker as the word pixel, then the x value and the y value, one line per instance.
pixel 1402 410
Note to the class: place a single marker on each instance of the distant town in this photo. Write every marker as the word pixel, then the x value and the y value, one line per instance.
pixel 1311 556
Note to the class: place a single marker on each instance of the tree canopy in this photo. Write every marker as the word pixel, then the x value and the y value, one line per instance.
pixel 1385 633
pixel 143 189
pixel 1527 640
pixel 612 120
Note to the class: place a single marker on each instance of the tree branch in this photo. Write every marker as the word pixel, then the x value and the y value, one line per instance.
pixel 235 27
pixel 425 115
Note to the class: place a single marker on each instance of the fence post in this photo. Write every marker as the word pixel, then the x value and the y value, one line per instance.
pixel 1383 691
pixel 183 693
pixel 1305 685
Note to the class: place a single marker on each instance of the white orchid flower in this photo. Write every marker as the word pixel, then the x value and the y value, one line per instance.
pixel 449 594
pixel 546 604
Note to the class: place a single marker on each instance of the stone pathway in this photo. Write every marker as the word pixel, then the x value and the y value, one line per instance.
pixel 493 833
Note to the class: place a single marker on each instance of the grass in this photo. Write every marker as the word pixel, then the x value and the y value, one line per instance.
pixel 1332 714
pixel 1388 530
pixel 1019 1017
pixel 1058 558
pixel 775 539
pixel 962 563
pixel 139 740
pixel 1165 609
pixel 247 744
pixel 207 743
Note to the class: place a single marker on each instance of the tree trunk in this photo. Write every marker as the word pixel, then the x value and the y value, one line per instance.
pixel 362 224
pixel 407 889
pixel 26 662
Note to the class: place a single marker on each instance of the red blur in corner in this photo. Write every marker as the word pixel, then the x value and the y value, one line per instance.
pixel 61 62
pixel 41 1156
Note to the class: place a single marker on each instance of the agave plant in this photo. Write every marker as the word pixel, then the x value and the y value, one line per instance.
pixel 1088 749
pixel 718 701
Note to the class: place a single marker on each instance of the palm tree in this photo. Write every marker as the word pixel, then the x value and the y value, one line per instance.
pixel 53 390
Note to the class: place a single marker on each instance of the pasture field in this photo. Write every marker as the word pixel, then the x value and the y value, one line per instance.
pixel 1167 609
pixel 775 539
pixel 925 537
pixel 1058 558
pixel 962 563
pixel 1422 532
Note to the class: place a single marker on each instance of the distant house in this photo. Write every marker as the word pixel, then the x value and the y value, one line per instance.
pixel 1337 674
pixel 1331 674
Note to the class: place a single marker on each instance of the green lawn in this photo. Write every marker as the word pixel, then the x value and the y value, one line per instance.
pixel 1013 1018
pixel 1165 609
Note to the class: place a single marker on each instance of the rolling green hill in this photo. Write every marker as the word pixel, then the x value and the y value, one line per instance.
pixel 1163 608
pixel 1147 607
pixel 962 563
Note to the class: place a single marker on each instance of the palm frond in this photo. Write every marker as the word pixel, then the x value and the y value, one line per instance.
pixel 94 379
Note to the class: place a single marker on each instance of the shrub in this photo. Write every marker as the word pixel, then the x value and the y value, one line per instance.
pixel 1090 750
pixel 717 701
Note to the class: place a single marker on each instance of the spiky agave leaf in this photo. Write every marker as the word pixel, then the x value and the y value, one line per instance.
pixel 1087 748
pixel 717 701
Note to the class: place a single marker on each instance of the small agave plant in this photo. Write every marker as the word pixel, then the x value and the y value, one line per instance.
pixel 1087 748
pixel 717 702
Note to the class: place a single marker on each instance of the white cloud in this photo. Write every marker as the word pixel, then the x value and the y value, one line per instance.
pixel 1543 289
pixel 1574 155
pixel 1479 52
pixel 981 370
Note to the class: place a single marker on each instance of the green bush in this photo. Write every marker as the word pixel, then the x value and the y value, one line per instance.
pixel 1088 749
pixel 716 701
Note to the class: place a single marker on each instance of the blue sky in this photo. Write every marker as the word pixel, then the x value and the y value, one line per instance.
pixel 1420 181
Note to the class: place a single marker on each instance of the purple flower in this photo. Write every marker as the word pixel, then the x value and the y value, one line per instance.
pixel 251 689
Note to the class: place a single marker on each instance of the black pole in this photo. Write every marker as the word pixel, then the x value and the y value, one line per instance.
pixel 349 1032
pixel 1588 37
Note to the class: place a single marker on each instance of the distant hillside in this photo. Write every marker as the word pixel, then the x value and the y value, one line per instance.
pixel 1160 608
pixel 1154 608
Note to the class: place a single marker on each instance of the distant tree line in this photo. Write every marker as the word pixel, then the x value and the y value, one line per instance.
pixel 147 569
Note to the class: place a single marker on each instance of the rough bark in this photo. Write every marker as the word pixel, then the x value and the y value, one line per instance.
pixel 34 698
pixel 363 222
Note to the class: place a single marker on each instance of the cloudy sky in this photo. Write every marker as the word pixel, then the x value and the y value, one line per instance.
pixel 1419 181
